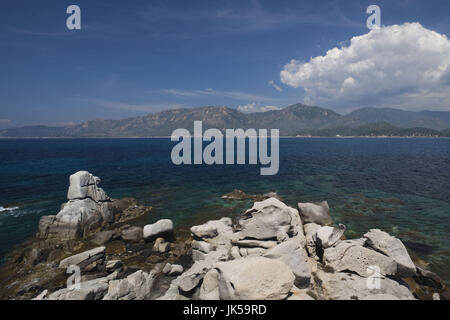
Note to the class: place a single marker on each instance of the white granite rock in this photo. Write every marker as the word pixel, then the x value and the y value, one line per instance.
pixel 394 248
pixel 254 278
pixel 162 228
pixel 315 213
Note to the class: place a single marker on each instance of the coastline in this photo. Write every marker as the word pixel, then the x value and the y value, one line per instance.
pixel 168 261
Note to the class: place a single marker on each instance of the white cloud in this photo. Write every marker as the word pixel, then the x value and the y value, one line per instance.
pixel 255 107
pixel 405 66
pixel 274 85
pixel 5 123
pixel 135 107
pixel 212 92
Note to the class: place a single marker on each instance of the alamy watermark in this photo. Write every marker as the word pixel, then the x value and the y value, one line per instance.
pixel 73 282
pixel 73 22
pixel 235 140
pixel 374 279
pixel 374 21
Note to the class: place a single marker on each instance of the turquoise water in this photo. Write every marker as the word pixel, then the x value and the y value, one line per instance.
pixel 399 185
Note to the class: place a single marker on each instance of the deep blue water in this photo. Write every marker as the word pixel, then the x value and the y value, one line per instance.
pixel 399 185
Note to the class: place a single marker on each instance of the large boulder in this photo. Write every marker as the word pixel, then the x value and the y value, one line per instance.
pixel 291 253
pixel 254 278
pixel 350 255
pixel 268 219
pixel 137 286
pixel 315 213
pixel 394 248
pixel 213 228
pixel 327 236
pixel 204 231
pixel 347 286
pixel 162 228
pixel 84 259
pixel 84 185
pixel 132 234
pixel 87 210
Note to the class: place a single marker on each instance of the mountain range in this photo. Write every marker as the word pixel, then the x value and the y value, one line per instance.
pixel 297 119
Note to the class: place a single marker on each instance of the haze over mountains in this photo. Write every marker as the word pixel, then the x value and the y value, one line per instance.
pixel 294 120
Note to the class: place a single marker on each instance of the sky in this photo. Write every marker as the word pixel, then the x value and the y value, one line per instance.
pixel 131 58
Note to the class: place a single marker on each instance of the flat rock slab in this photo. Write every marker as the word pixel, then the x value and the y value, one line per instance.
pixel 350 256
pixel 346 286
pixel 84 258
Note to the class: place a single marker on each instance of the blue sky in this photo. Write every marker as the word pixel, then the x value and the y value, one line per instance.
pixel 135 57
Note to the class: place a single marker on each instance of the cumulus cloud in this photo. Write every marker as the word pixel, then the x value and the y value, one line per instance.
pixel 405 66
pixel 274 85
pixel 255 107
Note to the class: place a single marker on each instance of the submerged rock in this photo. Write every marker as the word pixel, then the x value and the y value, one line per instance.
pixel 428 278
pixel 237 194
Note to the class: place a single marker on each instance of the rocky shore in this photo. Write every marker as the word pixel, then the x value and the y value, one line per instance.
pixel 273 251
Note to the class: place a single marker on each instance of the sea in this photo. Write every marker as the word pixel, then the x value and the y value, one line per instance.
pixel 401 186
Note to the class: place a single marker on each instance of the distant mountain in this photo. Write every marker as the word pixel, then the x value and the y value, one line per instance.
pixel 294 120
pixel 376 130
pixel 291 119
pixel 400 118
